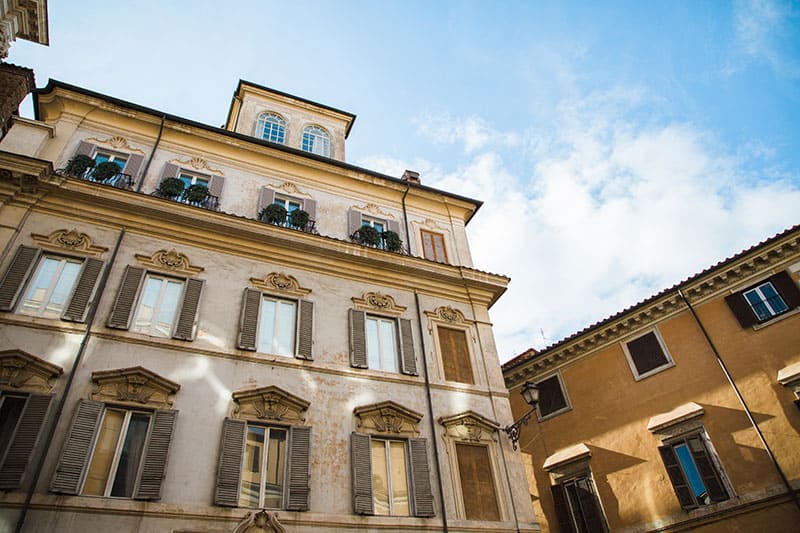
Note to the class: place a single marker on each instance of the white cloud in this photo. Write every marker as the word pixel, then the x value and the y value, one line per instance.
pixel 763 29
pixel 474 132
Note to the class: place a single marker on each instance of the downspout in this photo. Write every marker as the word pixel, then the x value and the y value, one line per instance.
pixel 405 218
pixel 732 383
pixel 152 153
pixel 78 357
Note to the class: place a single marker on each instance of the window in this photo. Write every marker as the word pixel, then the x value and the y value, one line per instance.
pixel 128 163
pixel 455 354
pixel 765 301
pixel 552 399
pixel 389 478
pixel 769 298
pixel 433 246
pixel 357 220
pixel 22 418
pixel 316 140
pixel 290 204
pixel 692 471
pixel 50 286
pixel 268 196
pixel 577 505
pixel 271 127
pixel 158 304
pixel 477 485
pixel 381 343
pixel 213 184
pixel 275 325
pixel 189 179
pixel 263 467
pixel 647 355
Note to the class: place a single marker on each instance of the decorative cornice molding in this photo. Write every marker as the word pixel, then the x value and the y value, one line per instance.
pixel 280 282
pixel 289 188
pixel 197 163
pixel 171 261
pixel 71 240
pixel 260 522
pixel 134 386
pixel 374 209
pixel 388 418
pixel 375 301
pixel 449 315
pixel 429 223
pixel 469 426
pixel 269 403
pixel 22 371
pixel 117 143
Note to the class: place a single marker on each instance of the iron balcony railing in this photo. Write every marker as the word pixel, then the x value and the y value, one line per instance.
pixel 382 244
pixel 119 180
pixel 310 226
pixel 210 201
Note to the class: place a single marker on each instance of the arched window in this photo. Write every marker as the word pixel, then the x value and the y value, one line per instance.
pixel 271 127
pixel 316 140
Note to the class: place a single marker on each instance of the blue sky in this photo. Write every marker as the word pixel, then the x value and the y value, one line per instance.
pixel 618 147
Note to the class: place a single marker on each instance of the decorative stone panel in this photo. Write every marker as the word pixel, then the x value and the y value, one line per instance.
pixel 22 371
pixel 470 426
pixel 387 418
pixel 134 386
pixel 70 240
pixel 116 143
pixel 269 404
pixel 280 282
pixel 171 261
pixel 380 303
pixel 260 522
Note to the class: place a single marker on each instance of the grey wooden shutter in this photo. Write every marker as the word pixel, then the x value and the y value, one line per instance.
pixel 77 447
pixel 590 506
pixel 170 171
pixel 229 469
pixel 133 165
pixel 310 207
pixel 408 359
pixel 298 487
pixel 248 321
pixel 75 310
pixel 741 309
pixel 353 221
pixel 305 329
pixel 707 470
pixel 215 187
pixel 677 478
pixel 565 524
pixel 393 225
pixel 787 288
pixel 85 148
pixel 358 339
pixel 154 464
pixel 24 440
pixel 421 478
pixel 265 197
pixel 361 466
pixel 187 318
pixel 15 275
pixel 122 311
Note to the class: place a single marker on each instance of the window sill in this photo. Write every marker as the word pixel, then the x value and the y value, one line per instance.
pixel 776 319
pixel 653 372
pixel 554 413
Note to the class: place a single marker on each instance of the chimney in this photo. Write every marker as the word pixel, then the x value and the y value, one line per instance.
pixel 411 177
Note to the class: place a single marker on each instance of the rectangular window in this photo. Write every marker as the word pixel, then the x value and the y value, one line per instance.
pixel 158 306
pixel 276 327
pixel 189 179
pixel 381 343
pixel 263 468
pixel 772 297
pixel 455 355
pixel 433 246
pixel 51 286
pixel 552 399
pixel 647 355
pixel 11 407
pixel 693 474
pixel 765 301
pixel 290 204
pixel 577 505
pixel 389 478
pixel 477 482
pixel 103 157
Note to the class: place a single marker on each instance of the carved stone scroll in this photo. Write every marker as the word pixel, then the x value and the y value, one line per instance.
pixel 171 261
pixel 374 209
pixel 271 404
pixel 72 240
pixel 260 522
pixel 25 372
pixel 449 315
pixel 134 386
pixel 387 417
pixel 280 282
pixel 117 143
pixel 289 188
pixel 382 303
pixel 470 426
pixel 197 163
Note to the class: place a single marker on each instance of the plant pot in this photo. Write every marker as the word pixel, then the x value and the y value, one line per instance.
pixel 170 187
pixel 391 241
pixel 196 194
pixel 78 165
pixel 299 218
pixel 273 214
pixel 106 170
pixel 368 236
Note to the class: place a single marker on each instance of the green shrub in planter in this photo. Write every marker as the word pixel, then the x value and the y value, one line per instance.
pixel 299 218
pixel 196 193
pixel 78 165
pixel 106 170
pixel 369 236
pixel 170 187
pixel 392 241
pixel 273 214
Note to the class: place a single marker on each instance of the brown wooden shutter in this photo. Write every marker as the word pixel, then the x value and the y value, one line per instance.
pixel 85 148
pixel 154 465
pixel 646 353
pixel 248 320
pixel 455 355
pixel 298 485
pixel 353 221
pixel 79 301
pixel 676 476
pixel 707 470
pixel 187 318
pixel 310 207
pixel 24 440
pixel 741 309
pixel 427 245
pixel 590 505
pixel 15 275
pixel 565 524
pixel 77 447
pixel 439 251
pixel 477 482
pixel 358 339
pixel 408 359
pixel 265 197
pixel 229 469
pixel 421 478
pixel 361 465
pixel 787 288
pixel 122 311
pixel 132 166
pixel 215 187
pixel 305 329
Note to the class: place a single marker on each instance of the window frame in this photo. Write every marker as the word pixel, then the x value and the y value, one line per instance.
pixel 280 124
pixel 148 275
pixel 28 285
pixel 276 334
pixel 434 235
pixel 565 509
pixel 784 285
pixel 395 356
pixel 765 301
pixel 320 134
pixel 268 427
pixel 567 407
pixel 387 442
pixel 468 341
pixel 670 362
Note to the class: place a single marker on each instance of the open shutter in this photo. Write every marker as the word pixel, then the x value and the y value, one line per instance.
pixel 265 197
pixel 421 478
pixel 590 506
pixel 77 448
pixel 361 463
pixel 310 207
pixel 741 309
pixel 24 440
pixel 393 225
pixel 170 171
pixel 126 298
pixel 562 512
pixel 707 470
pixel 358 339
pixel 15 275
pixel 305 329
pixel 85 148
pixel 353 221
pixel 156 450
pixel 79 302
pixel 187 318
pixel 408 359
pixel 229 470
pixel 298 485
pixel 215 187
pixel 677 478
pixel 248 321
pixel 133 165
pixel 787 288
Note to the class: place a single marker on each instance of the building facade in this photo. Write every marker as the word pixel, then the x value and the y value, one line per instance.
pixel 679 413
pixel 232 329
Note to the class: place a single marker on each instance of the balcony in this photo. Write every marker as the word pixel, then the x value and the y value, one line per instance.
pixel 278 216
pixel 119 180
pixel 382 240
pixel 196 195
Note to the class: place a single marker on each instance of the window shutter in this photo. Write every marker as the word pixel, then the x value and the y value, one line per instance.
pixel 15 275
pixel 590 506
pixel 305 329
pixel 707 470
pixel 361 463
pixel 133 165
pixel 79 302
pixel 215 187
pixel 24 440
pixel 677 478
pixel 439 251
pixel 455 355
pixel 229 470
pixel 187 318
pixel 77 448
pixel 421 478
pixel 126 298
pixel 358 339
pixel 741 309
pixel 477 483
pixel 393 225
pixel 408 359
pixel 85 148
pixel 427 245
pixel 156 450
pixel 310 207
pixel 170 171
pixel 353 221
pixel 265 197
pixel 248 321
pixel 562 512
pixel 787 288
pixel 298 485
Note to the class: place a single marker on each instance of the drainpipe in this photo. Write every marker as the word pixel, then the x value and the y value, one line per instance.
pixel 405 218
pixel 152 153
pixel 749 414
pixel 76 362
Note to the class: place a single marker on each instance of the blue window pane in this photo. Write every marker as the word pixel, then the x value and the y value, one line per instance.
pixel 690 469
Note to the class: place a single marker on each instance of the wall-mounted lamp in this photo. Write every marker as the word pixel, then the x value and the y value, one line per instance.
pixel 530 393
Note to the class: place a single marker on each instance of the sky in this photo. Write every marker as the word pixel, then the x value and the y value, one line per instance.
pixel 618 147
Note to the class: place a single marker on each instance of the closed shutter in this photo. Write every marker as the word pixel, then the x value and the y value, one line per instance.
pixel 265 197
pixel 85 148
pixel 590 506
pixel 706 468
pixel 477 482
pixel 79 302
pixel 15 275
pixel 298 485
pixel 565 524
pixel 353 221
pixel 310 207
pixel 126 298
pixel 215 187
pixel 229 469
pixel 646 353
pixel 677 478
pixel 24 440
pixel 77 447
pixel 427 245
pixel 421 478
pixel 408 359
pixel 439 251
pixel 170 171
pixel 133 165
pixel 305 329
pixel 361 464
pixel 741 309
pixel 393 225
pixel 455 355
pixel 358 339
pixel 787 288
pixel 248 321
pixel 154 465
pixel 187 318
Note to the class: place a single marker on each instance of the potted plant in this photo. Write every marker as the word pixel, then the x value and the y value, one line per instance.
pixel 195 194
pixel 391 241
pixel 368 236
pixel 106 170
pixel 273 214
pixel 78 165
pixel 170 187
pixel 299 218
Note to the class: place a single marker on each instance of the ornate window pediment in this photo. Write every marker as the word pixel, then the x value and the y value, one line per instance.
pixel 449 315
pixel 374 209
pixel 260 522
pixel 377 302
pixel 171 261
pixel 134 386
pixel 280 282
pixel 197 163
pixel 469 426
pixel 116 143
pixel 70 240
pixel 269 404
pixel 23 371
pixel 289 188
pixel 388 418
